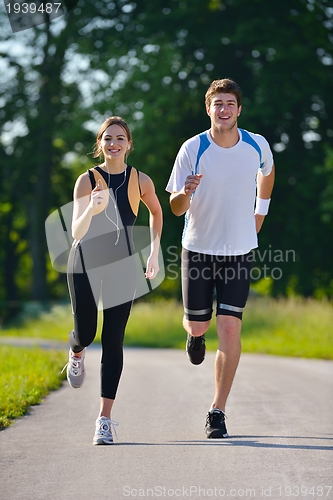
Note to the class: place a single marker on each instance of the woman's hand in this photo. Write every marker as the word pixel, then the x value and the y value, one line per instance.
pixel 152 267
pixel 99 198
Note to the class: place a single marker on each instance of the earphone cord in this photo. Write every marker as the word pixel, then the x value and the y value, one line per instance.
pixel 114 201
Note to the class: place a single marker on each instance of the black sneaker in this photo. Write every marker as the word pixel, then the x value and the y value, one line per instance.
pixel 196 349
pixel 215 424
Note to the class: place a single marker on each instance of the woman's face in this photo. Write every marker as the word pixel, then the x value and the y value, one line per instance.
pixel 114 142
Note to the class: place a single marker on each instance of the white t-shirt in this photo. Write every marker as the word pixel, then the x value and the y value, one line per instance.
pixel 220 220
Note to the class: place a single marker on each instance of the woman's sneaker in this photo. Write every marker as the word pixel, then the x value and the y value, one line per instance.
pixel 215 424
pixel 75 369
pixel 103 433
pixel 196 349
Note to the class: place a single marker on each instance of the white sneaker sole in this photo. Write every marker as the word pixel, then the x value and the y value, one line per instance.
pixel 101 441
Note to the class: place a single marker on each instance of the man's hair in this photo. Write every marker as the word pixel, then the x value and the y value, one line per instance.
pixel 224 86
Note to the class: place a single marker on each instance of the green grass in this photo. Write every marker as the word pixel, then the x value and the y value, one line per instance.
pixel 289 327
pixel 286 327
pixel 27 375
pixel 52 325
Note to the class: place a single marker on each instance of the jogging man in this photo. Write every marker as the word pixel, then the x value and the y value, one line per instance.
pixel 222 180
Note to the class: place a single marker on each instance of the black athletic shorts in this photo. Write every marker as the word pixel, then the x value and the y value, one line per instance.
pixel 228 275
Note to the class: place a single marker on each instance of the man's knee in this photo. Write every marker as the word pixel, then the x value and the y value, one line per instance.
pixel 228 326
pixel 195 328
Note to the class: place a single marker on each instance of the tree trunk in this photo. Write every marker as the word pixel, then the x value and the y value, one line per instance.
pixel 44 134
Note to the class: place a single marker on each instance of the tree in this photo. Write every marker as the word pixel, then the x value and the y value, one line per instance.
pixel 43 117
pixel 151 62
pixel 281 54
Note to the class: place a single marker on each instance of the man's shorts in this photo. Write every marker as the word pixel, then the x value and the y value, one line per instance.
pixel 229 275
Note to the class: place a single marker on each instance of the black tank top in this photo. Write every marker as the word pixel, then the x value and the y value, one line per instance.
pixel 119 184
pixel 109 237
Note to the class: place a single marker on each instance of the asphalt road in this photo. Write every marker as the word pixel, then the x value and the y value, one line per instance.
pixel 279 420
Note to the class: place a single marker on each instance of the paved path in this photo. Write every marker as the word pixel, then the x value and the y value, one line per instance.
pixel 280 421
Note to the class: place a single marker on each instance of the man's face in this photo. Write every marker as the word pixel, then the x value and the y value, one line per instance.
pixel 223 112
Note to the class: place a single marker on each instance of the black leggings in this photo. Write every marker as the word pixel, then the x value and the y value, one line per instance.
pixel 85 313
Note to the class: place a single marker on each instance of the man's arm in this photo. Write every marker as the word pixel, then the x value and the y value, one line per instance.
pixel 180 201
pixel 264 190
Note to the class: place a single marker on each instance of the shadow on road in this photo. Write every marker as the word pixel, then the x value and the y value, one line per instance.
pixel 239 441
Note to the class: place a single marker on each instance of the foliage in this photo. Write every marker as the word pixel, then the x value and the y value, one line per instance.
pixel 152 63
pixel 53 324
pixel 281 54
pixel 27 376
pixel 286 327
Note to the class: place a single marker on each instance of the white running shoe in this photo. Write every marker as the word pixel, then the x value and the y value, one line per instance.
pixel 103 433
pixel 75 369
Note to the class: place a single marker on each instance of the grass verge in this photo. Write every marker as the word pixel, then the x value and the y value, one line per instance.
pixel 284 327
pixel 289 327
pixel 27 376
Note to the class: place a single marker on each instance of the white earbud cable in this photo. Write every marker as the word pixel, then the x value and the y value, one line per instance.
pixel 114 201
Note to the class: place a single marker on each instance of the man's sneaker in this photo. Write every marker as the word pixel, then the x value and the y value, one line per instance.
pixel 196 349
pixel 103 433
pixel 75 370
pixel 215 424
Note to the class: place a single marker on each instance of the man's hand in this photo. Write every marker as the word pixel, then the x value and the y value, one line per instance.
pixel 191 183
pixel 181 200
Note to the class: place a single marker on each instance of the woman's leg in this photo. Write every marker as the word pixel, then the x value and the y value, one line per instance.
pixel 114 324
pixel 85 316
pixel 83 303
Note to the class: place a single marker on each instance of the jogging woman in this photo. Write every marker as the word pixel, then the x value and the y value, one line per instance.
pixel 101 264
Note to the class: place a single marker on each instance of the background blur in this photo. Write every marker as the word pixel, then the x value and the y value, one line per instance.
pixel 151 61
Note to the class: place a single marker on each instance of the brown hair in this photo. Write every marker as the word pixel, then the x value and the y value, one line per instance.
pixel 112 120
pixel 224 86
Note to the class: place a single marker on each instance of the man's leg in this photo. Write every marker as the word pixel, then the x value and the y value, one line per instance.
pixel 197 290
pixel 232 287
pixel 195 342
pixel 195 328
pixel 227 357
pixel 226 362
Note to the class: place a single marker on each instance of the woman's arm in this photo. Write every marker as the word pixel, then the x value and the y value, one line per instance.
pixel 149 198
pixel 87 203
